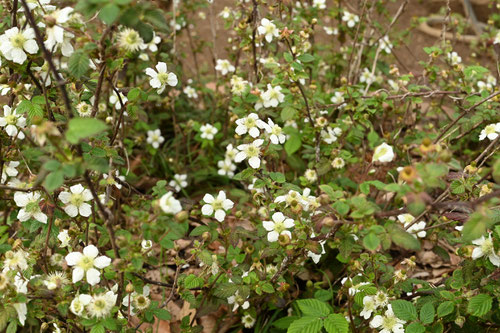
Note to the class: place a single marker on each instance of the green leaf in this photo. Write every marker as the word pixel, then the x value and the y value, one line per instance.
pixel 80 128
pixel 54 180
pixel 306 324
pixel 341 207
pixel 78 64
pixel 33 110
pixel 12 328
pixel 192 281
pixel 404 310
pixel 277 177
pixel 162 314
pixel 415 328
pixel 268 288
pixel 293 144
pixel 475 227
pixel 306 57
pixel 98 328
pixel 284 322
pixel 288 113
pixel 479 305
pixel 225 290
pixel 133 94
pixel 109 13
pixel 401 238
pixel 445 308
pixel 336 323
pixel 427 313
pixel 313 307
pixel 457 187
pixel 371 241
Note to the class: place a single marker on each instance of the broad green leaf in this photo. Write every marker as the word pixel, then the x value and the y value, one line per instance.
pixel 288 113
pixel 313 307
pixel 479 305
pixel 415 328
pixel 427 313
pixel 404 310
pixel 306 57
pixel 78 64
pixel 54 180
pixel 306 324
pixel 336 323
pixel 445 308
pixel 371 241
pixel 293 144
pixel 109 13
pixel 80 128
pixel 402 238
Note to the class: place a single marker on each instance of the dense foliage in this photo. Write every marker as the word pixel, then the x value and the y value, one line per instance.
pixel 287 176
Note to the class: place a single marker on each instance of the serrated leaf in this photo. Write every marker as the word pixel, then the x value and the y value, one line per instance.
pixel 225 290
pixel 402 238
pixel 404 310
pixel 78 64
pixel 371 241
pixel 306 324
pixel 336 323
pixel 293 144
pixel 479 305
pixel 109 13
pixel 192 281
pixel 427 313
pixel 288 113
pixel 313 307
pixel 53 180
pixel 415 328
pixel 445 308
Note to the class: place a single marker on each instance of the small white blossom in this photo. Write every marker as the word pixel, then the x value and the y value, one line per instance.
pixel 12 122
pixel 30 206
pixel 75 201
pixel 130 40
pixel 367 77
pixel 454 58
pixel 85 263
pixel 338 163
pixel 136 301
pixel 388 322
pixel 275 132
pixel 146 244
pixel 190 92
pixel 16 43
pixel 100 305
pixel 272 97
pixel 248 321
pixel 311 175
pixel 154 138
pixel 249 124
pixel 208 131
pixel 161 77
pixel 385 44
pixel 114 100
pixel 330 135
pixel 79 303
pixel 224 66
pixel 179 182
pixel 64 238
pixel 226 168
pixel 169 204
pixel 320 4
pixel 278 226
pixel 9 170
pixel 56 35
pixel 485 248
pixel 383 153
pixel 217 206
pixel 238 301
pixel 251 152
pixel 268 30
pixel 368 307
pixel 491 132
pixel 350 18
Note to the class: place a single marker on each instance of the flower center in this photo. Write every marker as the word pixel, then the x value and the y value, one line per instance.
pixel 11 120
pixel 132 38
pixel 249 122
pixel 487 246
pixel 490 129
pixel 252 151
pixel 279 227
pixel 163 77
pixel 86 263
pixel 389 322
pixel 18 40
pixel 32 207
pixel 276 130
pixel 100 304
pixel 77 199
pixel 217 204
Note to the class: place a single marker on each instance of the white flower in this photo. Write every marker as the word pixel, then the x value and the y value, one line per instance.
pixel 491 132
pixel 169 204
pixel 9 170
pixel 238 85
pixel 130 40
pixel 383 153
pixel 278 226
pixel 55 280
pixel 64 238
pixel 388 323
pixel 367 77
pixel 225 13
pixel 381 299
pixel 330 135
pixel 320 4
pixel 268 29
pixel 100 305
pixel 146 244
pixel 311 175
pixel 21 288
pixel 317 256
pixel 112 180
pixel 78 304
pixel 84 109
pixel 137 301
pixel 338 163
pixel 190 92
pixel 416 229
pixel 84 264
pixel 114 100
pixel 162 78
pixel 337 98
pixel 291 198
pixel 218 205
pixel 231 152
pixel 154 138
pixel 250 151
pixel 179 182
pixel 30 203
pixel 75 201
pixel 15 43
pixel 15 261
pixel 368 307
pixel 276 132
pixel 272 96
pixel 56 33
pixel 485 248
pixel 248 321
pixel 226 168
pixel 497 38
pixel 350 18
pixel 153 44
pixel 393 84
pixel 454 58
pixel 224 66
pixel 208 131
pixel 249 124
pixel 385 44
pixel 331 31
pixel 238 301
pixel 12 121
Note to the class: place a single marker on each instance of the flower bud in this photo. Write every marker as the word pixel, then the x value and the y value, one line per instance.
pixel 283 240
pixel 129 288
pixel 460 321
pixel 181 216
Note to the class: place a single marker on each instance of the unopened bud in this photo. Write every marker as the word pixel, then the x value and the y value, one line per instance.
pixel 283 239
pixel 181 216
pixel 129 288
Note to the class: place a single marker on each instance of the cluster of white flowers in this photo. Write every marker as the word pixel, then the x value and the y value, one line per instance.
pixel 330 135
pixel 95 306
pixel 416 229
